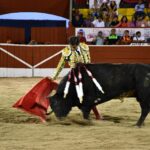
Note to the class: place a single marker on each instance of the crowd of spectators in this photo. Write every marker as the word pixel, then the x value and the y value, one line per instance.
pixel 115 39
pixel 105 14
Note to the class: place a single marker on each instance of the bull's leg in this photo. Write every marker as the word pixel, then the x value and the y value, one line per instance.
pixel 97 114
pixel 86 111
pixel 144 112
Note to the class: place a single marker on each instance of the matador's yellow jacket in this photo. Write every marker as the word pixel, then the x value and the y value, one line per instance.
pixel 82 54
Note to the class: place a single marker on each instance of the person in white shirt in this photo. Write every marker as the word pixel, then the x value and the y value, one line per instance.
pixel 138 38
pixel 99 39
pixel 98 22
pixel 139 9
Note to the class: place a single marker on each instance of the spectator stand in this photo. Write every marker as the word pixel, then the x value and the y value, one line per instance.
pixel 127 7
pixel 91 33
pixel 104 9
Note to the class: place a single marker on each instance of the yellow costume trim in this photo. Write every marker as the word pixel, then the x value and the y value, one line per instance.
pixel 84 46
pixel 85 52
pixel 72 57
pixel 66 51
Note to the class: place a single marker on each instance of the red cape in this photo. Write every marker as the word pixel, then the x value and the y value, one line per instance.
pixel 35 101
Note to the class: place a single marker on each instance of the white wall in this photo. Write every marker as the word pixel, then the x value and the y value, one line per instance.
pixel 23 72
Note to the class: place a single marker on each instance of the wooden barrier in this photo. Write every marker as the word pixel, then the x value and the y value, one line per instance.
pixel 52 35
pixel 15 34
pixel 46 57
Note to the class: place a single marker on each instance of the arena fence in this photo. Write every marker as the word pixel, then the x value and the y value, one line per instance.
pixel 41 60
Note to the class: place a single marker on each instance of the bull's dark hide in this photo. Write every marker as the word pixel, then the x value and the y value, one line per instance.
pixel 115 80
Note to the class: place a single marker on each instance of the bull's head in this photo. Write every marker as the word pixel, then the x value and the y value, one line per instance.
pixel 60 106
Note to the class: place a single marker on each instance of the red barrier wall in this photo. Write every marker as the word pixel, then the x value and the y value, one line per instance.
pixel 12 33
pixel 99 54
pixel 52 35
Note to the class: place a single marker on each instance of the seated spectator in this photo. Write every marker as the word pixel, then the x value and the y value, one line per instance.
pixel 88 21
pixel 98 22
pixel 99 39
pixel 123 22
pixel 113 8
pixel 139 9
pixel 138 38
pixel 114 22
pixel 77 21
pixel 77 18
pixel 113 38
pixel 148 41
pixel 132 24
pixel 104 9
pixel 141 22
pixel 94 12
pixel 106 19
pixel 126 38
pixel 81 35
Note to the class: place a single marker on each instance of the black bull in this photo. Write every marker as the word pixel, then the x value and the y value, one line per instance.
pixel 115 80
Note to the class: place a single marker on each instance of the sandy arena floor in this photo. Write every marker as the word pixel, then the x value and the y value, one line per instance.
pixel 21 131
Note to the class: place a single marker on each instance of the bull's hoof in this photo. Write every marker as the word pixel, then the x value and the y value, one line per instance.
pixel 87 122
pixel 64 121
pixel 85 114
pixel 86 117
pixel 139 125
